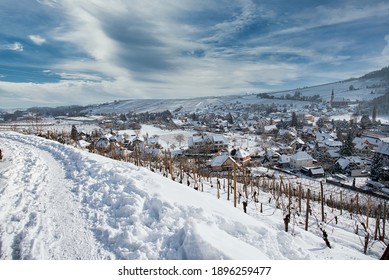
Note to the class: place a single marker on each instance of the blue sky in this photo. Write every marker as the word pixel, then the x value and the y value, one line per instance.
pixel 61 52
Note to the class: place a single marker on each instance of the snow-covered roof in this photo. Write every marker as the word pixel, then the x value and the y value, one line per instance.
pixel 383 148
pixel 334 153
pixel 269 128
pixel 240 153
pixel 323 136
pixel 359 143
pixel 103 142
pixel 177 122
pixel 317 170
pixel 220 159
pixel 301 156
pixel 284 159
pixel 207 138
pixel 345 161
pixel 219 138
pixel 332 143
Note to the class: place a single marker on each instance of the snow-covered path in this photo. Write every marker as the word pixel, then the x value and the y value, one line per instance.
pixel 57 202
pixel 41 218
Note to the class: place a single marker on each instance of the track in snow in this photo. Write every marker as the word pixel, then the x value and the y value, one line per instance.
pixel 40 218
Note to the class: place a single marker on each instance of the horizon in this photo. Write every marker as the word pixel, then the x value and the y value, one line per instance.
pixel 63 53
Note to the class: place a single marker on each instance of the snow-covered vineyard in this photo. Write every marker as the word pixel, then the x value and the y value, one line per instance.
pixel 59 202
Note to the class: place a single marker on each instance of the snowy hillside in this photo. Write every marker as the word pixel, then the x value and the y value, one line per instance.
pixel 57 202
pixel 354 89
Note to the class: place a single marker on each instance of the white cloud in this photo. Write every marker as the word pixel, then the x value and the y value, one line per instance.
pixel 38 40
pixel 385 51
pixel 18 47
pixel 324 16
pixel 51 3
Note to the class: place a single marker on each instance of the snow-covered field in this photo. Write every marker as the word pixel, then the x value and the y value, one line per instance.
pixel 362 90
pixel 57 202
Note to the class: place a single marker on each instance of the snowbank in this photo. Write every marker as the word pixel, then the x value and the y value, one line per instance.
pixel 57 202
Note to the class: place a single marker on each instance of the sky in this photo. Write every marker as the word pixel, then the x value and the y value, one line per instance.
pixel 68 52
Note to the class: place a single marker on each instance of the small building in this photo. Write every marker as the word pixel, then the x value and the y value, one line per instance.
pixel 353 165
pixel 284 161
pixel 222 162
pixel 241 156
pixel 301 159
pixel 313 171
pixel 205 143
pixel 103 144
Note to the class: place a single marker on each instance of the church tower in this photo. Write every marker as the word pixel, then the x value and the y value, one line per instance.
pixel 332 97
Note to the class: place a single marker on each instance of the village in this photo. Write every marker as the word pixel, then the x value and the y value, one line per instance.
pixel 299 140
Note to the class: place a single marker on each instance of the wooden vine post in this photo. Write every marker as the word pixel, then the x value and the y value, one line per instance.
pixel 234 184
pixel 322 200
pixel 300 196
pixel 383 221
pixel 307 210
pixel 368 208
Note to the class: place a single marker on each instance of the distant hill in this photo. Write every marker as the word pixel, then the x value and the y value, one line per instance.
pixel 382 74
pixel 381 102
pixel 365 88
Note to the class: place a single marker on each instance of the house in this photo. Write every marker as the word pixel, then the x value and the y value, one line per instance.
pixel 313 171
pixel 316 172
pixel 333 153
pixel 205 143
pixel 383 149
pixel 136 142
pixel 309 119
pixel 300 159
pixel 271 156
pixel 297 144
pixel 270 128
pixel 354 165
pixel 102 144
pixel 373 141
pixel 241 156
pixel 151 141
pixel 284 161
pixel 222 162
pixel 108 123
pixel 330 143
pixel 153 152
pixel 285 149
pixel 360 145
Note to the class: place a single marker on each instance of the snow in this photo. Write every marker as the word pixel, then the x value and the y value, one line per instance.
pixel 300 156
pixel 59 202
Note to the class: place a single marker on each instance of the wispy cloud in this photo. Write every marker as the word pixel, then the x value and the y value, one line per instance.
pixel 51 3
pixel 38 40
pixel 18 47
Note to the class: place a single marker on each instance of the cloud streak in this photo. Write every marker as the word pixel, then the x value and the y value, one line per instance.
pixel 36 39
pixel 18 47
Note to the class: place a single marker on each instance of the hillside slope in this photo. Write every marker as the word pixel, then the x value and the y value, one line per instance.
pixel 57 202
pixel 365 88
